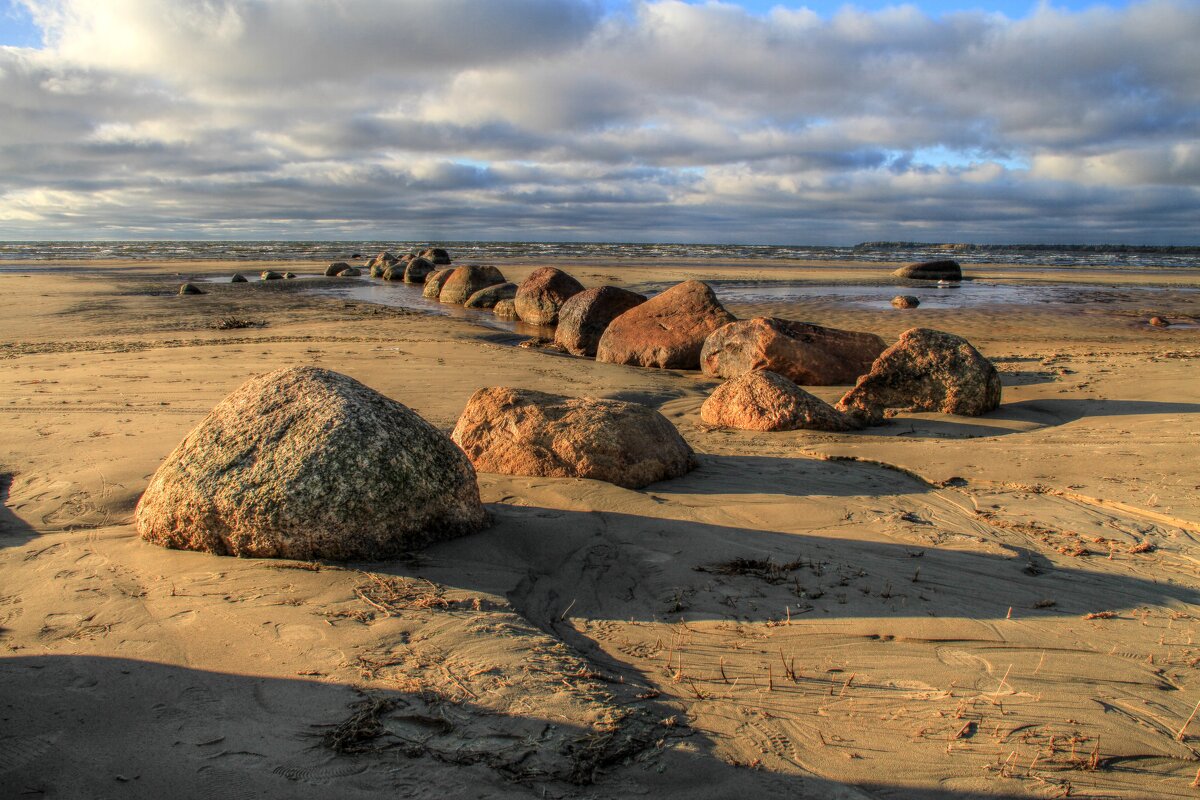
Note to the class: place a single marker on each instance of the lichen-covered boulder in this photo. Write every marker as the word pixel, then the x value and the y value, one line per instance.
pixel 542 294
pixel 307 463
pixel 416 270
pixel 766 401
pixel 435 255
pixel 925 370
pixel 905 301
pixel 943 270
pixel 433 283
pixel 807 354
pixel 667 331
pixel 466 281
pixel 505 309
pixel 522 432
pixel 190 288
pixel 489 296
pixel 583 319
pixel 336 268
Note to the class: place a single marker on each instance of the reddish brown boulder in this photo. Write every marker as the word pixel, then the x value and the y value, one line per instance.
pixel 807 354
pixel 925 370
pixel 412 270
pixel 522 432
pixel 943 270
pixel 1160 322
pixel 487 298
pixel 667 331
pixel 583 319
pixel 542 294
pixel 767 401
pixel 433 283
pixel 905 301
pixel 505 309
pixel 466 281
pixel 306 463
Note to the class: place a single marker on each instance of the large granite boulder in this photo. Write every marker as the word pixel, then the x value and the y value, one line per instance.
pixel 542 294
pixel 523 432
pixel 307 463
pixel 505 309
pixel 336 268
pixel 466 281
pixel 487 298
pixel 585 316
pixel 766 401
pixel 944 270
pixel 925 370
pixel 435 255
pixel 383 260
pixel 667 331
pixel 810 355
pixel 416 270
pixel 433 283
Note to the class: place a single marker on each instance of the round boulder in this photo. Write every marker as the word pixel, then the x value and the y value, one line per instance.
pixel 766 401
pixel 943 270
pixel 436 255
pixel 505 309
pixel 466 281
pixel 1160 322
pixel 383 260
pixel 190 288
pixel 905 301
pixel 336 268
pixel 925 370
pixel 667 331
pixel 542 294
pixel 270 275
pixel 306 463
pixel 416 270
pixel 583 319
pixel 487 298
pixel 807 354
pixel 433 283
pixel 523 432
pixel 350 272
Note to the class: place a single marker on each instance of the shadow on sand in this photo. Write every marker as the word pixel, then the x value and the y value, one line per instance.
pixel 14 531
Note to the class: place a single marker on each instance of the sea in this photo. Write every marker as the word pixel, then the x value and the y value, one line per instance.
pixel 1116 257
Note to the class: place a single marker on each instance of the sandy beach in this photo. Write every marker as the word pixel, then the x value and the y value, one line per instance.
pixel 940 607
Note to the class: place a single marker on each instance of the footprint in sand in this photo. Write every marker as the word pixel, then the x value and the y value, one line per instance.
pixel 318 773
pixel 961 658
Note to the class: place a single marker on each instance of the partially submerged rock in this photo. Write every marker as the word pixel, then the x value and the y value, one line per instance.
pixel 350 272
pixel 306 463
pixel 336 268
pixel 667 331
pixel 926 370
pixel 585 316
pixel 942 270
pixel 190 288
pixel 523 432
pixel 542 294
pixel 1160 322
pixel 489 296
pixel 905 301
pixel 238 278
pixel 466 281
pixel 416 270
pixel 766 401
pixel 270 275
pixel 383 260
pixel 436 255
pixel 505 309
pixel 807 354
pixel 434 281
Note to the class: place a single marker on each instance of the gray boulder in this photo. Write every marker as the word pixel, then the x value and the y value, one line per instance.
pixel 943 270
pixel 488 297
pixel 583 319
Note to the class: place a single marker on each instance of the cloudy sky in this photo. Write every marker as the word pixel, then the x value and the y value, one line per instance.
pixel 663 120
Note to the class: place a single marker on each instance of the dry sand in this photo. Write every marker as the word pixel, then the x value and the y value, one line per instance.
pixel 952 608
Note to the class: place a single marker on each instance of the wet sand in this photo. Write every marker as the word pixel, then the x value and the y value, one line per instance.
pixel 942 607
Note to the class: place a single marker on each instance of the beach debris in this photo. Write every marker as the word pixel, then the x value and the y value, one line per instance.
pixel 667 331
pixel 766 401
pixel 1160 322
pixel 435 255
pixel 190 288
pixel 925 370
pixel 905 301
pixel 238 278
pixel 305 463
pixel 434 281
pixel 584 317
pixel 945 269
pixel 505 309
pixel 237 323
pixel 466 281
pixel 490 295
pixel 809 355
pixel 542 343
pixel 523 432
pixel 542 294
pixel 336 268
pixel 416 270
pixel 270 275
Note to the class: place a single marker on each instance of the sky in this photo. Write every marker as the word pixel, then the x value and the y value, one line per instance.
pixel 601 120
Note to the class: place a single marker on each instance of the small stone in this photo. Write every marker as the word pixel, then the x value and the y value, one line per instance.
pixel 1160 322
pixel 190 288
pixel 905 301
pixel 238 278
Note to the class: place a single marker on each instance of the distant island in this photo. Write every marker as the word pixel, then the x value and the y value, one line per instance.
pixel 960 247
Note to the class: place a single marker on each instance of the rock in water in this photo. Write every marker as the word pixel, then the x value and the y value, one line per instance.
pixel 1160 322
pixel 336 268
pixel 505 309
pixel 947 269
pixel 905 301
pixel 190 288
pixel 926 370
pixel 416 270
pixel 238 278
pixel 436 255
pixel 585 316
pixel 350 272
pixel 666 331
pixel 522 432
pixel 383 260
pixel 270 275
pixel 807 354
pixel 466 281
pixel 487 298
pixel 306 463
pixel 766 401
pixel 433 283
pixel 542 294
